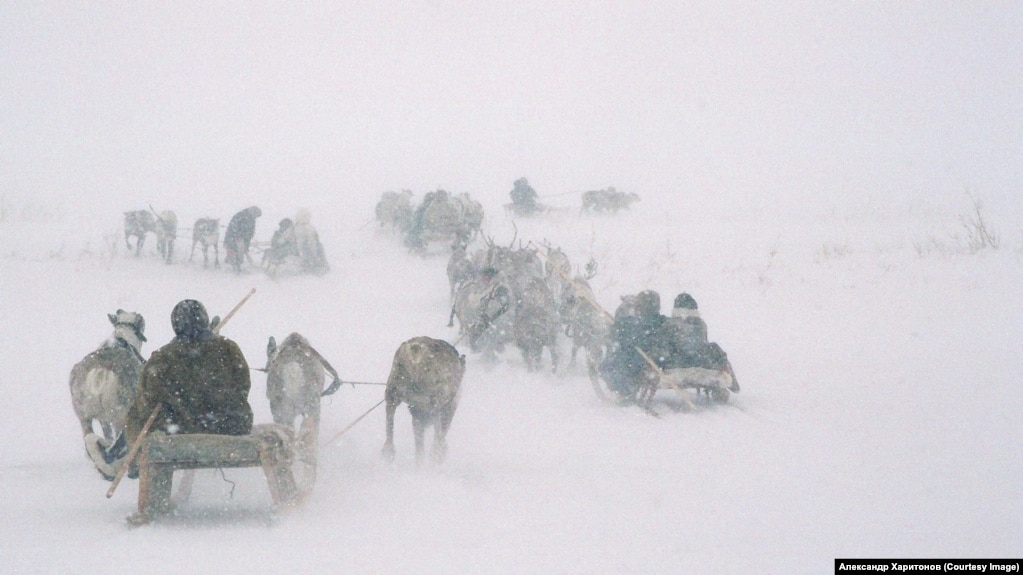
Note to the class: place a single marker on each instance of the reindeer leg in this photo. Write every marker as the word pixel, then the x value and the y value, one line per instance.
pixel 388 449
pixel 419 422
pixel 441 427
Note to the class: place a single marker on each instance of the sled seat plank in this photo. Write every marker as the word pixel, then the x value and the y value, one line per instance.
pixel 269 447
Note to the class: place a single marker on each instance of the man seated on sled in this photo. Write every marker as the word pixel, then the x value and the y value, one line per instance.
pixel 524 198
pixel 636 325
pixel 200 380
pixel 681 337
pixel 681 342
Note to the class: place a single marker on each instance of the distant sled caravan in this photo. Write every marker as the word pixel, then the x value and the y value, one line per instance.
pixel 426 374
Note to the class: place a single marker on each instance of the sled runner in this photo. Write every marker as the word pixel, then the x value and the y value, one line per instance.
pixel 716 385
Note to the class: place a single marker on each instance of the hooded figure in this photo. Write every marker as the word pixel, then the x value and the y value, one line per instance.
pixel 201 379
pixel 682 337
pixel 524 198
pixel 307 244
pixel 282 245
pixel 636 325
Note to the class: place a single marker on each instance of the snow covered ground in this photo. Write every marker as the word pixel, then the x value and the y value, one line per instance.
pixel 807 172
pixel 876 416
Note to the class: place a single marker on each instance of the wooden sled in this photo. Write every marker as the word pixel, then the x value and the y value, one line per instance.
pixel 269 447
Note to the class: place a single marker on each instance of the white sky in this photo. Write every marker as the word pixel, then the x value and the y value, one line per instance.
pixel 756 104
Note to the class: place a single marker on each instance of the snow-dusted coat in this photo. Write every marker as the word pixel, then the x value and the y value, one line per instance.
pixel 203 384
pixel 680 339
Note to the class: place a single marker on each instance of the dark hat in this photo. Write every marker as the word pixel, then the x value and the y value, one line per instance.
pixel 189 319
pixel 648 302
pixel 489 272
pixel 685 301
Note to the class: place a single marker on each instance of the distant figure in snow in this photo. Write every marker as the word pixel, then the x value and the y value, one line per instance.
pixel 524 198
pixel 307 241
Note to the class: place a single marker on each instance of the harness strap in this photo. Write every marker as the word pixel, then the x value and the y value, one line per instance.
pixel 120 342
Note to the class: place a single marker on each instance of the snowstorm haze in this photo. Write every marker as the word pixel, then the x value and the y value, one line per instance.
pixel 805 171
pixel 116 106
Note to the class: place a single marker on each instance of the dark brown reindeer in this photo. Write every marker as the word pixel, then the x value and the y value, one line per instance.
pixel 137 224
pixel 426 374
pixel 536 324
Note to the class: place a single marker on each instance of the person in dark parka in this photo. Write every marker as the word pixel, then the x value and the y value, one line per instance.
pixel 524 198
pixel 200 378
pixel 681 339
pixel 635 328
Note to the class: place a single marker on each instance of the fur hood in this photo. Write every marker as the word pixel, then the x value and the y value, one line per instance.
pixel 684 313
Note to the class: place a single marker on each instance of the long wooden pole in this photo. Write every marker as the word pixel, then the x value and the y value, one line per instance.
pixel 234 310
pixel 134 449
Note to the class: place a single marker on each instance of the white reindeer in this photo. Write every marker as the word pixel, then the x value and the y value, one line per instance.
pixel 294 384
pixel 103 384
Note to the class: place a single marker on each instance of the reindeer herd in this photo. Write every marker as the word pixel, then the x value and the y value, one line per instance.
pixel 528 298
pixel 502 296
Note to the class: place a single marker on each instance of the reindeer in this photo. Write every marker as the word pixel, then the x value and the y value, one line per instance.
pixel 426 374
pixel 472 215
pixel 536 324
pixel 609 200
pixel 166 233
pixel 294 384
pixel 557 270
pixel 238 237
pixel 138 223
pixel 395 210
pixel 460 269
pixel 206 232
pixel 103 383
pixel 586 323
